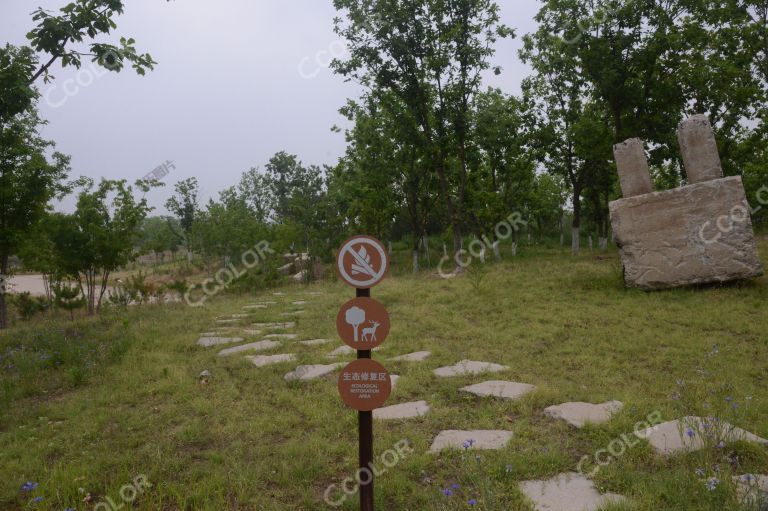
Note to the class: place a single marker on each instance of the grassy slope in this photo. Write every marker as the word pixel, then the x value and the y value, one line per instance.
pixel 250 441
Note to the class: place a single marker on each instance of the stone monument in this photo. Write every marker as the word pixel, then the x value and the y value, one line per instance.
pixel 696 234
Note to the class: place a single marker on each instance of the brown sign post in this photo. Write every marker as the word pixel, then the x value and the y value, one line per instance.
pixel 363 324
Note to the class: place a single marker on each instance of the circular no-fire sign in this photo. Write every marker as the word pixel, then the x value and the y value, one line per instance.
pixel 362 262
pixel 364 385
pixel 362 323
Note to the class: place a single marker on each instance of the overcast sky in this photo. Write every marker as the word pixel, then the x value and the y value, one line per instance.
pixel 236 82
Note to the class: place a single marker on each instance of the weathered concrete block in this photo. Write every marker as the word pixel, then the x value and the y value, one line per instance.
pixel 699 149
pixel 700 233
pixel 634 176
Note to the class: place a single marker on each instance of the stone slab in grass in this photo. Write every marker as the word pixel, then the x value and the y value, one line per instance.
pixel 300 302
pixel 578 414
pixel 266 360
pixel 278 293
pixel 752 490
pixel 416 356
pixel 254 306
pixel 291 313
pixel 281 336
pixel 473 439
pixel 402 411
pixel 216 341
pixel 315 342
pixel 251 332
pixel 311 372
pixel 252 346
pixel 227 321
pixel 567 492
pixel 276 326
pixel 498 388
pixel 393 379
pixel 685 435
pixel 468 367
pixel 344 350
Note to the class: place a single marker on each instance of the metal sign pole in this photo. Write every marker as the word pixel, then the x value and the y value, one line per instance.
pixel 365 427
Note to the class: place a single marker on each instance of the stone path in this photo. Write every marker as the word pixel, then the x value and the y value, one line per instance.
pixel 292 313
pixel 683 435
pixel 299 302
pixel 468 367
pixel 393 379
pixel 417 356
pixel 344 350
pixel 578 414
pixel 402 411
pixel 315 342
pixel 253 346
pixel 567 492
pixel 281 336
pixel 265 360
pixel 275 326
pixel 311 372
pixel 498 388
pixel 752 490
pixel 473 439
pixel 254 306
pixel 216 341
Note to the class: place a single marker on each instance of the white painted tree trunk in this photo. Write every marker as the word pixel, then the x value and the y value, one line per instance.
pixel 482 255
pixel 445 250
pixel 415 259
pixel 514 249
pixel 575 240
pixel 496 251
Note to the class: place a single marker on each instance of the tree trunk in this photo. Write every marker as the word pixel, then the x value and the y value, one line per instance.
pixel 575 227
pixel 496 252
pixel 415 258
pixel 3 290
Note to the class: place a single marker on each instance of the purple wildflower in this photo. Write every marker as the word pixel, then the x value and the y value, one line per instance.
pixel 29 486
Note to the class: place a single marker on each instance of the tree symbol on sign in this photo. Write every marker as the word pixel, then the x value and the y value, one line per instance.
pixel 355 316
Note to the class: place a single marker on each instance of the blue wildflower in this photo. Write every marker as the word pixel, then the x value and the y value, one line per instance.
pixel 455 486
pixel 691 433
pixel 29 486
pixel 447 492
pixel 712 483
pixel 472 502
pixel 468 443
pixel 37 499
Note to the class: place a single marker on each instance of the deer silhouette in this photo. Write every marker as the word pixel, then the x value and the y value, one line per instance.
pixel 370 332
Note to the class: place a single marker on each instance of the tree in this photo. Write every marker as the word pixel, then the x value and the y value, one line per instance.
pixel 69 298
pixel 105 228
pixel 184 205
pixel 28 181
pixel 158 235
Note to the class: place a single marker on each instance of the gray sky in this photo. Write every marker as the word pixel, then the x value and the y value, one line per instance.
pixel 236 82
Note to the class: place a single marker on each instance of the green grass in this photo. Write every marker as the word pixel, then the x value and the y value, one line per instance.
pixel 124 400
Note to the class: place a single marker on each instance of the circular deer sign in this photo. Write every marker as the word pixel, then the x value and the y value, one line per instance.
pixel 362 323
pixel 362 262
pixel 364 385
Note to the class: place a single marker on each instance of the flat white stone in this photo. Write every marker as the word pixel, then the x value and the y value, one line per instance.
pixel 281 336
pixel 480 439
pixel 393 379
pixel 251 332
pixel 314 293
pixel 254 306
pixel 227 321
pixel 578 413
pixel 315 342
pixel 344 350
pixel 278 294
pixel 291 313
pixel 468 367
pixel 275 326
pixel 417 356
pixel 263 303
pixel 311 372
pixel 216 341
pixel 752 490
pixel 567 492
pixel 673 436
pixel 266 360
pixel 498 388
pixel 402 411
pixel 300 302
pixel 253 346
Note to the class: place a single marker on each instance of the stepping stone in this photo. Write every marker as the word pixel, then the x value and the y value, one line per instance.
pixel 752 490
pixel 278 294
pixel 402 411
pixel 468 367
pixel 290 324
pixel 299 302
pixel 673 436
pixel 215 341
pixel 291 313
pixel 311 372
pixel 475 439
pixel 578 414
pixel 498 388
pixel 567 492
pixel 266 360
pixel 344 350
pixel 417 356
pixel 315 342
pixel 255 346
pixel 281 336
pixel 393 379
pixel 255 306
pixel 251 332
pixel 227 321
